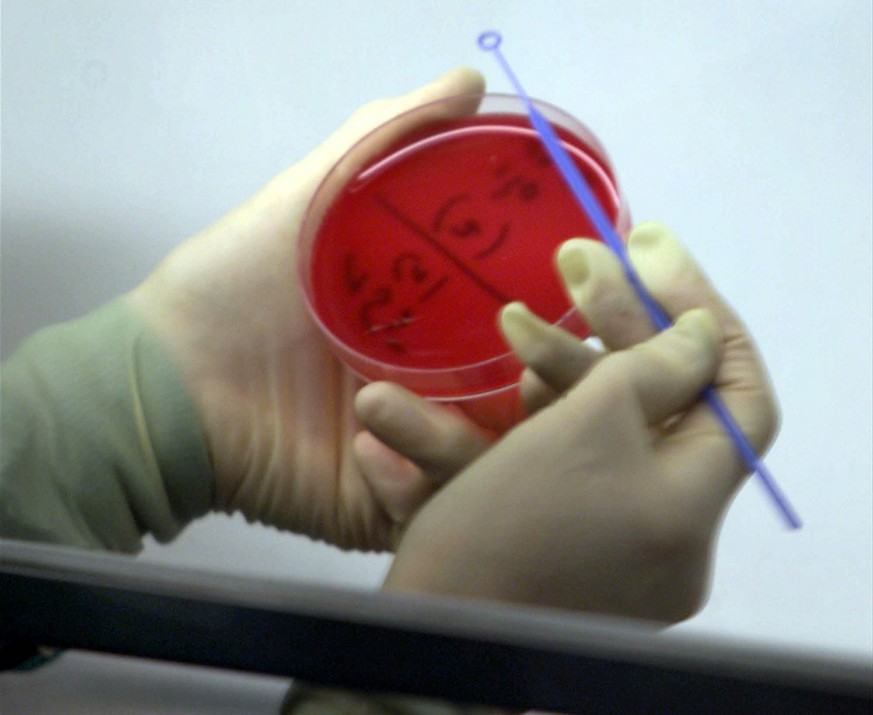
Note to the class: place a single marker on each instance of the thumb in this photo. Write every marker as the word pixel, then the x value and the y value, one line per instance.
pixel 667 372
pixel 463 83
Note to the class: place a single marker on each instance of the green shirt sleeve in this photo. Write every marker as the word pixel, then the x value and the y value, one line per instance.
pixel 100 440
pixel 101 444
pixel 308 700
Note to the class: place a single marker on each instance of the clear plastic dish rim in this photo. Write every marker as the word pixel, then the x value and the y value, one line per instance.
pixel 356 158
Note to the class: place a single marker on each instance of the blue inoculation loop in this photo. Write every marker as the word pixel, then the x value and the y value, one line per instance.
pixel 490 41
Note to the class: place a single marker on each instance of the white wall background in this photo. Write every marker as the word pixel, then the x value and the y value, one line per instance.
pixel 746 124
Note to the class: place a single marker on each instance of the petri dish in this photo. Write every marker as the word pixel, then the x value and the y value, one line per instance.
pixel 428 226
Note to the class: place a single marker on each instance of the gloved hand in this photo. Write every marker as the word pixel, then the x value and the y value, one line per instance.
pixel 609 498
pixel 276 407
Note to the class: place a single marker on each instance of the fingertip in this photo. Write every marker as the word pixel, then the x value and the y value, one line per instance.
pixel 535 392
pixel 373 400
pixel 575 243
pixel 397 484
pixel 464 78
pixel 558 357
pixel 516 323
pixel 573 265
pixel 661 259
pixel 462 86
pixel 668 371
pixel 653 237
pixel 366 397
pixel 527 334
pixel 649 232
pixel 700 322
pixel 572 254
pixel 579 258
pixel 513 310
pixel 367 453
pixel 695 343
pixel 463 83
pixel 378 460
pixel 363 445
pixel 702 327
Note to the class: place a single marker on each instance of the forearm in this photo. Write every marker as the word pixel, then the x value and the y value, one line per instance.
pixel 100 442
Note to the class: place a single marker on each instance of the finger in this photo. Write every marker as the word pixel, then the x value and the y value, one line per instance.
pixel 397 484
pixel 535 394
pixel 676 281
pixel 596 282
pixel 598 287
pixel 558 358
pixel 672 276
pixel 293 188
pixel 459 82
pixel 439 440
pixel 667 373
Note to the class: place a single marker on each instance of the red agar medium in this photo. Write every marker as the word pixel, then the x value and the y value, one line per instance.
pixel 416 254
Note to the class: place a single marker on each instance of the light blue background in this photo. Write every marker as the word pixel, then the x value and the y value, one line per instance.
pixel 129 125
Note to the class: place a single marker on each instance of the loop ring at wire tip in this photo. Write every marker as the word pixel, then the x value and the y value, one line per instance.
pixel 490 40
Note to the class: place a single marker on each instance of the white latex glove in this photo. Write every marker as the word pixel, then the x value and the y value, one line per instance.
pixel 608 499
pixel 276 407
